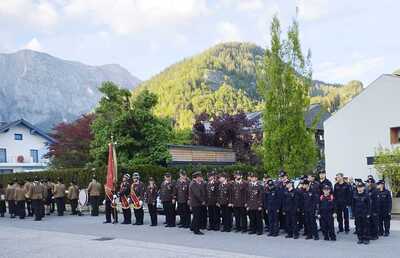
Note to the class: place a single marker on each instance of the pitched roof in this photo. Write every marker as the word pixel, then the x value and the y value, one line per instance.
pixel 5 126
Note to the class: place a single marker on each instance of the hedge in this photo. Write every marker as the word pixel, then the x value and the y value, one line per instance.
pixel 83 176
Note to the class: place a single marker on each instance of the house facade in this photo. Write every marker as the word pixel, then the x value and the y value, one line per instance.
pixel 371 120
pixel 22 147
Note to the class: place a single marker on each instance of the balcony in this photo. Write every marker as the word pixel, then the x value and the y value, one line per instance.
pixel 23 161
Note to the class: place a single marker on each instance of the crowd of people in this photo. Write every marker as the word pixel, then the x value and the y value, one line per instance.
pixel 223 203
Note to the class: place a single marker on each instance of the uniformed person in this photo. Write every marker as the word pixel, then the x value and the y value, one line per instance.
pixel 27 185
pixel 36 195
pixel 110 206
pixel 342 193
pixel 2 201
pixel 239 188
pixel 59 195
pixel 266 178
pixel 291 201
pixel 49 201
pixel 327 213
pixel 94 189
pixel 151 200
pixel 203 208
pixel 311 202
pixel 197 196
pixel 224 202
pixel 314 184
pixel 73 194
pixel 281 184
pixel 361 207
pixel 384 206
pixel 10 197
pixel 300 206
pixel 254 204
pixel 168 199
pixel 374 218
pixel 20 200
pixel 214 217
pixel 273 203
pixel 182 198
pixel 139 189
pixel 124 195
pixel 43 207
pixel 323 180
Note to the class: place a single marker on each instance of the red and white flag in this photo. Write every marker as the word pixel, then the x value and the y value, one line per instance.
pixel 111 171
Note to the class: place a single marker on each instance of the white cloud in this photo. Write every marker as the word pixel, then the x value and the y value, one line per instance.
pixel 41 13
pixel 311 10
pixel 33 44
pixel 228 31
pixel 127 16
pixel 356 70
pixel 250 5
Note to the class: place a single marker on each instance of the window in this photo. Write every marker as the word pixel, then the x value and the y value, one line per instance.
pixel 395 135
pixel 35 156
pixel 18 137
pixel 3 156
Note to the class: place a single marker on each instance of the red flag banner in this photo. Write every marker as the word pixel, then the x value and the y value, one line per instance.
pixel 111 171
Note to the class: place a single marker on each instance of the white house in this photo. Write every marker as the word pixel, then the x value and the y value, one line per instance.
pixel 370 120
pixel 22 147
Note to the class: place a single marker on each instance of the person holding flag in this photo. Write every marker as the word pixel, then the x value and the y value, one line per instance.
pixel 109 187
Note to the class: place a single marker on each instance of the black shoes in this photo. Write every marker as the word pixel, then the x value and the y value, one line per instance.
pixel 198 233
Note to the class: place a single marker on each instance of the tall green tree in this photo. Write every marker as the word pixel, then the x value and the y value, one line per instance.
pixel 284 81
pixel 141 136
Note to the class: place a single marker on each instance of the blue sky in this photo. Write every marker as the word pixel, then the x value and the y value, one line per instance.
pixel 348 39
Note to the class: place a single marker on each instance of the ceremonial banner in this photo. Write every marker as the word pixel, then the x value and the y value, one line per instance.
pixel 111 172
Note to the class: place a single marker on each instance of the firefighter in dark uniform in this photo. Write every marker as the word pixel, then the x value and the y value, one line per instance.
pixel 168 199
pixel 361 207
pixel 311 201
pixel 182 198
pixel 151 200
pixel 212 194
pixel 384 205
pixel 273 203
pixel 139 189
pixel 254 204
pixel 239 188
pixel 323 180
pixel 266 178
pixel 342 193
pixel 314 184
pixel 197 196
pixel 374 218
pixel 124 195
pixel 327 213
pixel 224 202
pixel 110 206
pixel 203 208
pixel 291 202
pixel 300 206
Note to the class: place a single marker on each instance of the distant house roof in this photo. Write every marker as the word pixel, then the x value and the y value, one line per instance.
pixel 5 126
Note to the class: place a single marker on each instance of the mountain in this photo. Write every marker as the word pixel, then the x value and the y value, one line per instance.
pixel 46 90
pixel 222 79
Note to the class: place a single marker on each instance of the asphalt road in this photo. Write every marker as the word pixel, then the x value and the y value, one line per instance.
pixel 86 236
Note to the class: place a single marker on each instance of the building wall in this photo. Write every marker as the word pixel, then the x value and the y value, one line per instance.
pixel 355 131
pixel 16 148
pixel 196 155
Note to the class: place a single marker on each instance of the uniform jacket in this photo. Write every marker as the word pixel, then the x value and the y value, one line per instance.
pixel 383 201
pixel 19 193
pixel 27 186
pixel 300 204
pixel 239 193
pixel 197 194
pixel 182 191
pixel 59 190
pixel 315 187
pixel 342 194
pixel 327 182
pixel 327 205
pixel 10 192
pixel 36 191
pixel 73 192
pixel 224 194
pixel 151 194
pixel 212 192
pixel 167 191
pixel 291 200
pixel 311 201
pixel 273 199
pixel 125 189
pixel 139 188
pixel 94 188
pixel 361 204
pixel 255 192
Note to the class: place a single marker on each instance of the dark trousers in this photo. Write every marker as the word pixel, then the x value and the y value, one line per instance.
pixel 170 216
pixel 374 225
pixel 362 225
pixel 153 213
pixel 327 225
pixel 256 224
pixel 300 219
pixel 52 205
pixel 291 223
pixel 282 220
pixel 110 212
pixel 265 217
pixel 11 208
pixel 127 216
pixel 29 207
pixel 74 205
pixel 310 224
pixel 60 206
pixel 94 202
pixel 240 218
pixel 203 218
pixel 342 214
pixel 214 217
pixel 37 209
pixel 21 209
pixel 384 223
pixel 139 214
pixel 226 214
pixel 184 214
pixel 273 221
pixel 196 219
pixel 2 208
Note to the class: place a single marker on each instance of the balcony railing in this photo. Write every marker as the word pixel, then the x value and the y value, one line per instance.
pixel 23 160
